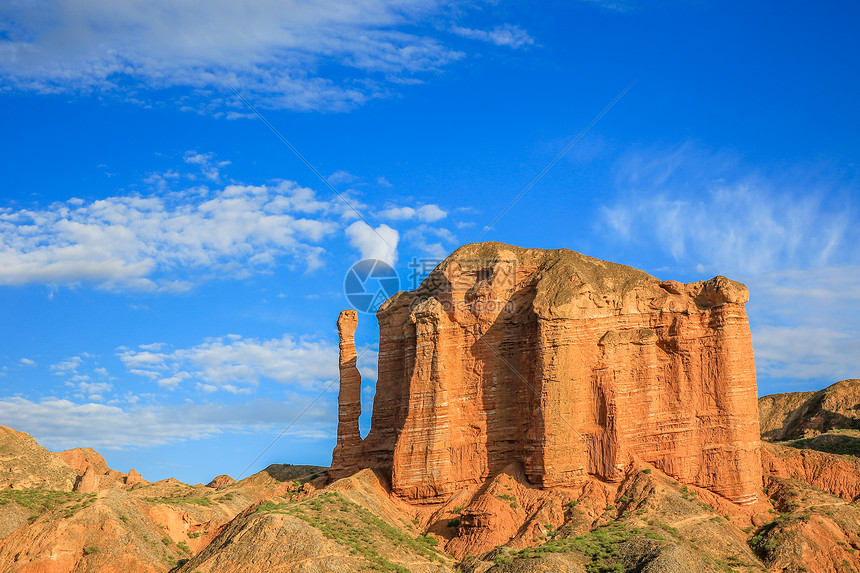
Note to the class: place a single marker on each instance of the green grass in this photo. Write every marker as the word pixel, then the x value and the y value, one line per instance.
pixel 600 544
pixel 43 500
pixel 768 538
pixel 205 501
pixel 359 529
pixel 830 443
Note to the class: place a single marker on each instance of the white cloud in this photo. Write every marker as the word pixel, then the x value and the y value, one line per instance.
pixel 806 352
pixel 235 364
pixel 271 50
pixel 805 323
pixel 379 243
pixel 95 390
pixel 426 213
pixel 207 164
pixel 505 35
pixel 62 424
pixel 791 243
pixel 434 242
pixel 611 5
pixel 742 225
pixel 27 362
pixel 137 242
pixel 341 178
pixel 68 366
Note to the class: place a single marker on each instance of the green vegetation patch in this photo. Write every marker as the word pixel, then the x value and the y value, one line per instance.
pixel 349 524
pixel 43 500
pixel 205 501
pixel 830 443
pixel 600 544
pixel 768 538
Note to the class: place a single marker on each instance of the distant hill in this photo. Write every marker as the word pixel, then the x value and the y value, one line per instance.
pixel 24 464
pixel 805 414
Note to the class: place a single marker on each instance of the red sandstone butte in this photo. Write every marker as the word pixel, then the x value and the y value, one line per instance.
pixel 569 365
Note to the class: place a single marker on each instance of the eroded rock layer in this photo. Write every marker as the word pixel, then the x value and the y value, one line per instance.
pixel 569 365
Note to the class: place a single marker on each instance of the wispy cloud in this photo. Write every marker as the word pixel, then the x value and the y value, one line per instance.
pixel 504 35
pixel 165 241
pixel 805 323
pixel 745 224
pixel 273 51
pixel 192 227
pixel 433 242
pixel 790 241
pixel 235 364
pixel 425 213
pixel 61 424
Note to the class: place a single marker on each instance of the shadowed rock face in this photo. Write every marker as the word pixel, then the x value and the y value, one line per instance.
pixel 569 365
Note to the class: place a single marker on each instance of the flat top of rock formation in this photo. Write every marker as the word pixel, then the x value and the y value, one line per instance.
pixel 567 283
pixel 555 264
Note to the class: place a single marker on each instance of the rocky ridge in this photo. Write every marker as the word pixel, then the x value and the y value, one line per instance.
pixel 287 518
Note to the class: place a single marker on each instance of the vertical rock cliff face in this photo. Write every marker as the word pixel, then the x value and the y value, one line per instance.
pixel 569 365
pixel 346 458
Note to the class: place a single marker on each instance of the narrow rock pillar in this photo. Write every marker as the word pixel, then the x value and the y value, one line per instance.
pixel 345 458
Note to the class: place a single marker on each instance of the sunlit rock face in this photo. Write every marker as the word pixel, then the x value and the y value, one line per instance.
pixel 569 365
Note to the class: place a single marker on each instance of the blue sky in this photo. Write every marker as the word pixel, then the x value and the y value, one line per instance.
pixel 171 272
